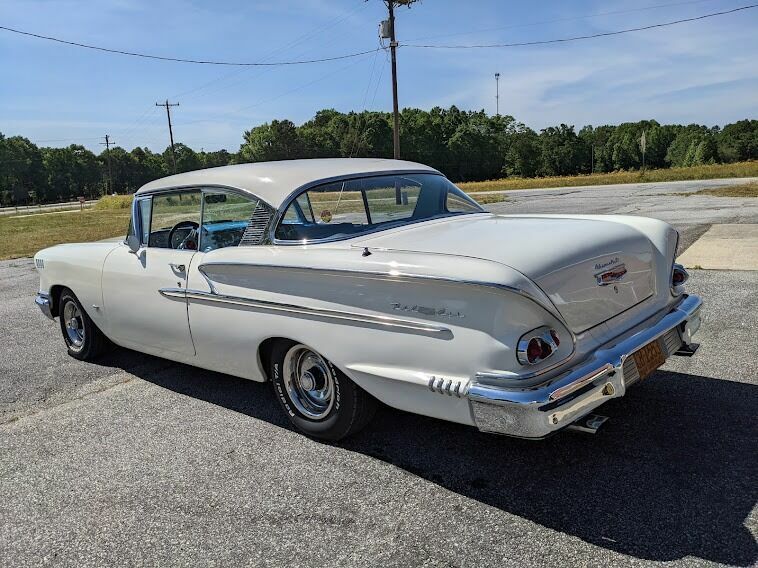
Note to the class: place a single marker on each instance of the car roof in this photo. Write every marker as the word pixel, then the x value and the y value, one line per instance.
pixel 275 181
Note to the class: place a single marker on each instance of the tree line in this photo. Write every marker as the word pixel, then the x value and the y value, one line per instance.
pixel 464 145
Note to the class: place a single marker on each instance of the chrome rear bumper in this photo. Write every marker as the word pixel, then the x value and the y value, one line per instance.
pixel 43 303
pixel 540 410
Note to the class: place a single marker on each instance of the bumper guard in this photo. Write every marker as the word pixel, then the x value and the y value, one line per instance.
pixel 538 411
pixel 43 303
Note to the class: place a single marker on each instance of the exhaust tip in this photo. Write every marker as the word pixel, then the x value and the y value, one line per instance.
pixel 590 424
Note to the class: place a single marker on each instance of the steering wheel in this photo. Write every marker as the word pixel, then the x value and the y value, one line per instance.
pixel 189 242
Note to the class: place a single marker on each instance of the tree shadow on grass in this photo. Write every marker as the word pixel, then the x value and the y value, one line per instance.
pixel 671 475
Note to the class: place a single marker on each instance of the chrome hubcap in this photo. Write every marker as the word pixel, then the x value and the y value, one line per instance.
pixel 309 382
pixel 74 325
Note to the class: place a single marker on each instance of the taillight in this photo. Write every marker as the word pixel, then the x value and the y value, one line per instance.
pixel 534 350
pixel 554 335
pixel 678 277
pixel 537 345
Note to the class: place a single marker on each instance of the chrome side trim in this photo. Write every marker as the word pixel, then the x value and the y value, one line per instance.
pixel 385 321
pixel 44 304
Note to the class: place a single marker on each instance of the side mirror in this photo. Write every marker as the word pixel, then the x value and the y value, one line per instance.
pixel 133 242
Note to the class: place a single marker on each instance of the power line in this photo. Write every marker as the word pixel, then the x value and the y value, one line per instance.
pixel 559 20
pixel 276 97
pixel 281 49
pixel 193 61
pixel 577 38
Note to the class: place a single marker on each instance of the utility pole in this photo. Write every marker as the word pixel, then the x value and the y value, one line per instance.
pixel 497 94
pixel 592 159
pixel 107 145
pixel 643 147
pixel 170 131
pixel 393 51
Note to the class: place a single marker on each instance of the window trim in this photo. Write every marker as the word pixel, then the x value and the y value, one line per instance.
pixel 377 228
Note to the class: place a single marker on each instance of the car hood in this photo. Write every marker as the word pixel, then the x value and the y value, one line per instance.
pixel 591 268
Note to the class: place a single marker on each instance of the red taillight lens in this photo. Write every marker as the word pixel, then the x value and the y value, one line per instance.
pixel 537 345
pixel 679 275
pixel 534 350
pixel 554 335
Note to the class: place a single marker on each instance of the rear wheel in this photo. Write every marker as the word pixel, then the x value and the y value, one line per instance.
pixel 318 398
pixel 83 339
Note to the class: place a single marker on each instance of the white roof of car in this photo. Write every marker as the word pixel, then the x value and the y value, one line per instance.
pixel 275 181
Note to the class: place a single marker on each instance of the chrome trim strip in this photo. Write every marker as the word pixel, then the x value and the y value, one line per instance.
pixel 386 321
pixel 209 186
pixel 535 412
pixel 44 304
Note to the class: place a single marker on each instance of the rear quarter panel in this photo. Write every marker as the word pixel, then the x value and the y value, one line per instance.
pixel 394 365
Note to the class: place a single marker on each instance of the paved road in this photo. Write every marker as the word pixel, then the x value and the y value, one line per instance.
pixel 672 202
pixel 139 461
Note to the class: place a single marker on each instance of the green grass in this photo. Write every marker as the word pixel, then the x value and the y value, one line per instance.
pixel 114 202
pixel 24 235
pixel 746 190
pixel 715 171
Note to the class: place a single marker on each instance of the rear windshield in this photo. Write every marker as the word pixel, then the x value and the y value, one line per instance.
pixel 347 208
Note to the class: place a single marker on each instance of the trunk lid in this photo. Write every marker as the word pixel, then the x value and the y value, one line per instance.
pixel 591 269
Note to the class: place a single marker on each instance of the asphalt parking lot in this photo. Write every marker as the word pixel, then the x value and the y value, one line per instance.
pixel 140 461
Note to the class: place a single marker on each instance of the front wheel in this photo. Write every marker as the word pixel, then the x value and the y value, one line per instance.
pixel 318 398
pixel 83 339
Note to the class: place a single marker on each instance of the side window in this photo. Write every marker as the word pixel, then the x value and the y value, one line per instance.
pixel 343 209
pixel 174 220
pixel 456 203
pixel 225 218
pixel 330 210
pixel 143 211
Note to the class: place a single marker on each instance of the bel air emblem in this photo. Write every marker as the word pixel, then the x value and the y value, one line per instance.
pixel 611 275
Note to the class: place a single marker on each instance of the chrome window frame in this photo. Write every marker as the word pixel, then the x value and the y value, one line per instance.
pixel 325 181
pixel 137 219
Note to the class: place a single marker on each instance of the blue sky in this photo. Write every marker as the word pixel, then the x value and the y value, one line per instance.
pixel 704 72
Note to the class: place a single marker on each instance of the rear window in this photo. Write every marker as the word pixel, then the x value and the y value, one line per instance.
pixel 347 208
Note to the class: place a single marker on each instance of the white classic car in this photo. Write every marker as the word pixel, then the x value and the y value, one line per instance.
pixel 344 281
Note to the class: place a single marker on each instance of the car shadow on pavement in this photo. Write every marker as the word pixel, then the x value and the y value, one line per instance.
pixel 672 474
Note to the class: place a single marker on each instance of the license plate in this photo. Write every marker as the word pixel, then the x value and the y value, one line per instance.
pixel 649 358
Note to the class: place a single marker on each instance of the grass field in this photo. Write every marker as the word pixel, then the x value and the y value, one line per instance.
pixel 736 170
pixel 24 235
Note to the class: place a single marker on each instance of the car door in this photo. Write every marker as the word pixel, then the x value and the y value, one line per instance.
pixel 141 310
pixel 230 220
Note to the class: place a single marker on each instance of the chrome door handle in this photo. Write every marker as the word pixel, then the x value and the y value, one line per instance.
pixel 177 267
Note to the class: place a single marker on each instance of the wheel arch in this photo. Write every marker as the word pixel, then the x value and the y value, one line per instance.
pixel 264 353
pixel 55 296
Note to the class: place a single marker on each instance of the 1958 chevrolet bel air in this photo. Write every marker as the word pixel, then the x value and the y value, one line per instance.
pixel 344 281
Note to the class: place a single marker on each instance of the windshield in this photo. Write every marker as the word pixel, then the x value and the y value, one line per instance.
pixel 348 208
